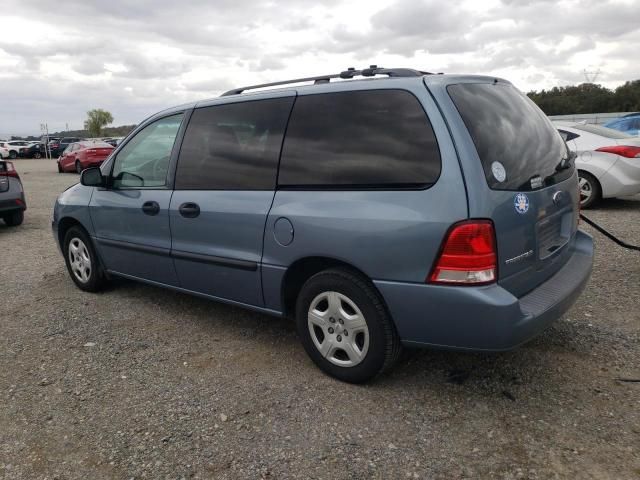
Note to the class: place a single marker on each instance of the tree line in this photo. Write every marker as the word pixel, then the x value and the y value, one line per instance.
pixel 588 98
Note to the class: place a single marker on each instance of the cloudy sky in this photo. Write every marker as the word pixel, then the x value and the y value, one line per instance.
pixel 134 58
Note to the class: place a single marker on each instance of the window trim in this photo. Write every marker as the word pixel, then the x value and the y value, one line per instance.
pixel 168 184
pixel 345 187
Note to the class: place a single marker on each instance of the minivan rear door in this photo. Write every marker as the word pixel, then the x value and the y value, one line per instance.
pixel 526 182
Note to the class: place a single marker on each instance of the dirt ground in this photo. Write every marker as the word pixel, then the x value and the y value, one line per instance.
pixel 140 382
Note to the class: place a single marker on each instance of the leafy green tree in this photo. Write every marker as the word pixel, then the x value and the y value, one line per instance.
pixel 588 98
pixel 627 96
pixel 96 120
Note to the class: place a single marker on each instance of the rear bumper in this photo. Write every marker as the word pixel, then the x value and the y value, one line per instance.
pixel 485 318
pixel 17 204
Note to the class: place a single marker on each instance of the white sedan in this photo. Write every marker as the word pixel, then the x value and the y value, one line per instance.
pixel 608 161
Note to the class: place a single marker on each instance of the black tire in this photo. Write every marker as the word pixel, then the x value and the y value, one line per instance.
pixel 59 167
pixel 78 167
pixel 96 278
pixel 383 343
pixel 589 183
pixel 14 219
pixel 13 154
pixel 37 155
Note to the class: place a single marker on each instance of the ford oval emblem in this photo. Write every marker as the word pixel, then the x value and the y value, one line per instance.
pixel 558 197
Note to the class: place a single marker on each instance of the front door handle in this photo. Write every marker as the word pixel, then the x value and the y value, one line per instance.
pixel 189 210
pixel 151 208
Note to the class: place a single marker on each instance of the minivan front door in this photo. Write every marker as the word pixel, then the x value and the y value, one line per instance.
pixel 225 183
pixel 131 216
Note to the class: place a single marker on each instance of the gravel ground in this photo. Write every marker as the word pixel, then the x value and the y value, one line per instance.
pixel 140 382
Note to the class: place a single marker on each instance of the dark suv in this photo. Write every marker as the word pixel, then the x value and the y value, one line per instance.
pixel 57 146
pixel 415 209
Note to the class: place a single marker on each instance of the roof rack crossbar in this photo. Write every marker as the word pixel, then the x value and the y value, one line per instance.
pixel 347 74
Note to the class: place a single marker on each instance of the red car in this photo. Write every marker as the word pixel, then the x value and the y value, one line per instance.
pixel 80 155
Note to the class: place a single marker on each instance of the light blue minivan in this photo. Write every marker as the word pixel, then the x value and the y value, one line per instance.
pixel 393 208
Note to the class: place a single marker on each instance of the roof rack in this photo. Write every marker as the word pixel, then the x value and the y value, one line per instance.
pixel 348 73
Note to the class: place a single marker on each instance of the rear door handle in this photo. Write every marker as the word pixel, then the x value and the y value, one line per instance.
pixel 189 210
pixel 151 208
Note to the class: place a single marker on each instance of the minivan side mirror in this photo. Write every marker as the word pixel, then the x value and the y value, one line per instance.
pixel 92 177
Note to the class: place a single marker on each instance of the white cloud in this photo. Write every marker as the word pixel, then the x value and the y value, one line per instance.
pixel 135 58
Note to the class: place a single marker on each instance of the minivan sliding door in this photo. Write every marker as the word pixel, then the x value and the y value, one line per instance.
pixel 225 182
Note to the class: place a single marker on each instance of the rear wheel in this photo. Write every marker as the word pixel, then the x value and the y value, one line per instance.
pixel 13 154
pixel 14 219
pixel 78 166
pixel 82 261
pixel 590 191
pixel 37 155
pixel 345 327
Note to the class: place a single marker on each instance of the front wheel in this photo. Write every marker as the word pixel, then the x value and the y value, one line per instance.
pixel 82 261
pixel 59 167
pixel 13 154
pixel 37 155
pixel 345 327
pixel 78 167
pixel 590 191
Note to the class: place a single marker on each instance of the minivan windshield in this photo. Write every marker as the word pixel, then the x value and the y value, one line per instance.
pixel 518 146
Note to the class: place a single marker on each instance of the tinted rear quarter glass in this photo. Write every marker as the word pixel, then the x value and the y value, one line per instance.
pixel 509 128
pixel 373 138
pixel 234 146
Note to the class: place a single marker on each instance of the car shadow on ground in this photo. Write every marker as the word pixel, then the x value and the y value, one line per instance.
pixel 615 204
pixel 492 374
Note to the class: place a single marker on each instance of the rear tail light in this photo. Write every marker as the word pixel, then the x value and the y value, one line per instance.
pixel 468 255
pixel 622 150
pixel 11 170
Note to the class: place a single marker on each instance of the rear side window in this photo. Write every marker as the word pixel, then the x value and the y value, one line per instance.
pixel 518 146
pixel 374 138
pixel 234 146
pixel 568 136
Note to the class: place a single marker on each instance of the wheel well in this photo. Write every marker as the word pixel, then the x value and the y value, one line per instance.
pixel 64 225
pixel 592 176
pixel 300 271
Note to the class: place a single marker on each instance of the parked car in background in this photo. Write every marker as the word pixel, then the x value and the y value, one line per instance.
pixel 32 151
pixel 44 142
pixel 4 151
pixel 629 124
pixel 58 146
pixel 12 201
pixel 14 146
pixel 80 155
pixel 114 142
pixel 608 161
pixel 424 210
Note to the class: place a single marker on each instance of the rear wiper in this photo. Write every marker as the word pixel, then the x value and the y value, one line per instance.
pixel 566 162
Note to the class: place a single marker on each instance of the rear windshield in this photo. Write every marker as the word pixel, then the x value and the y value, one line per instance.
pixel 518 146
pixel 602 131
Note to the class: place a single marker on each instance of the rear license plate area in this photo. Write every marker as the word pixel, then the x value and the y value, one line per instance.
pixel 553 233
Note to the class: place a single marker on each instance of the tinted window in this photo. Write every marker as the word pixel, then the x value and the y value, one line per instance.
pixel 509 128
pixel 234 146
pixel 364 138
pixel 144 160
pixel 567 136
pixel 602 131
